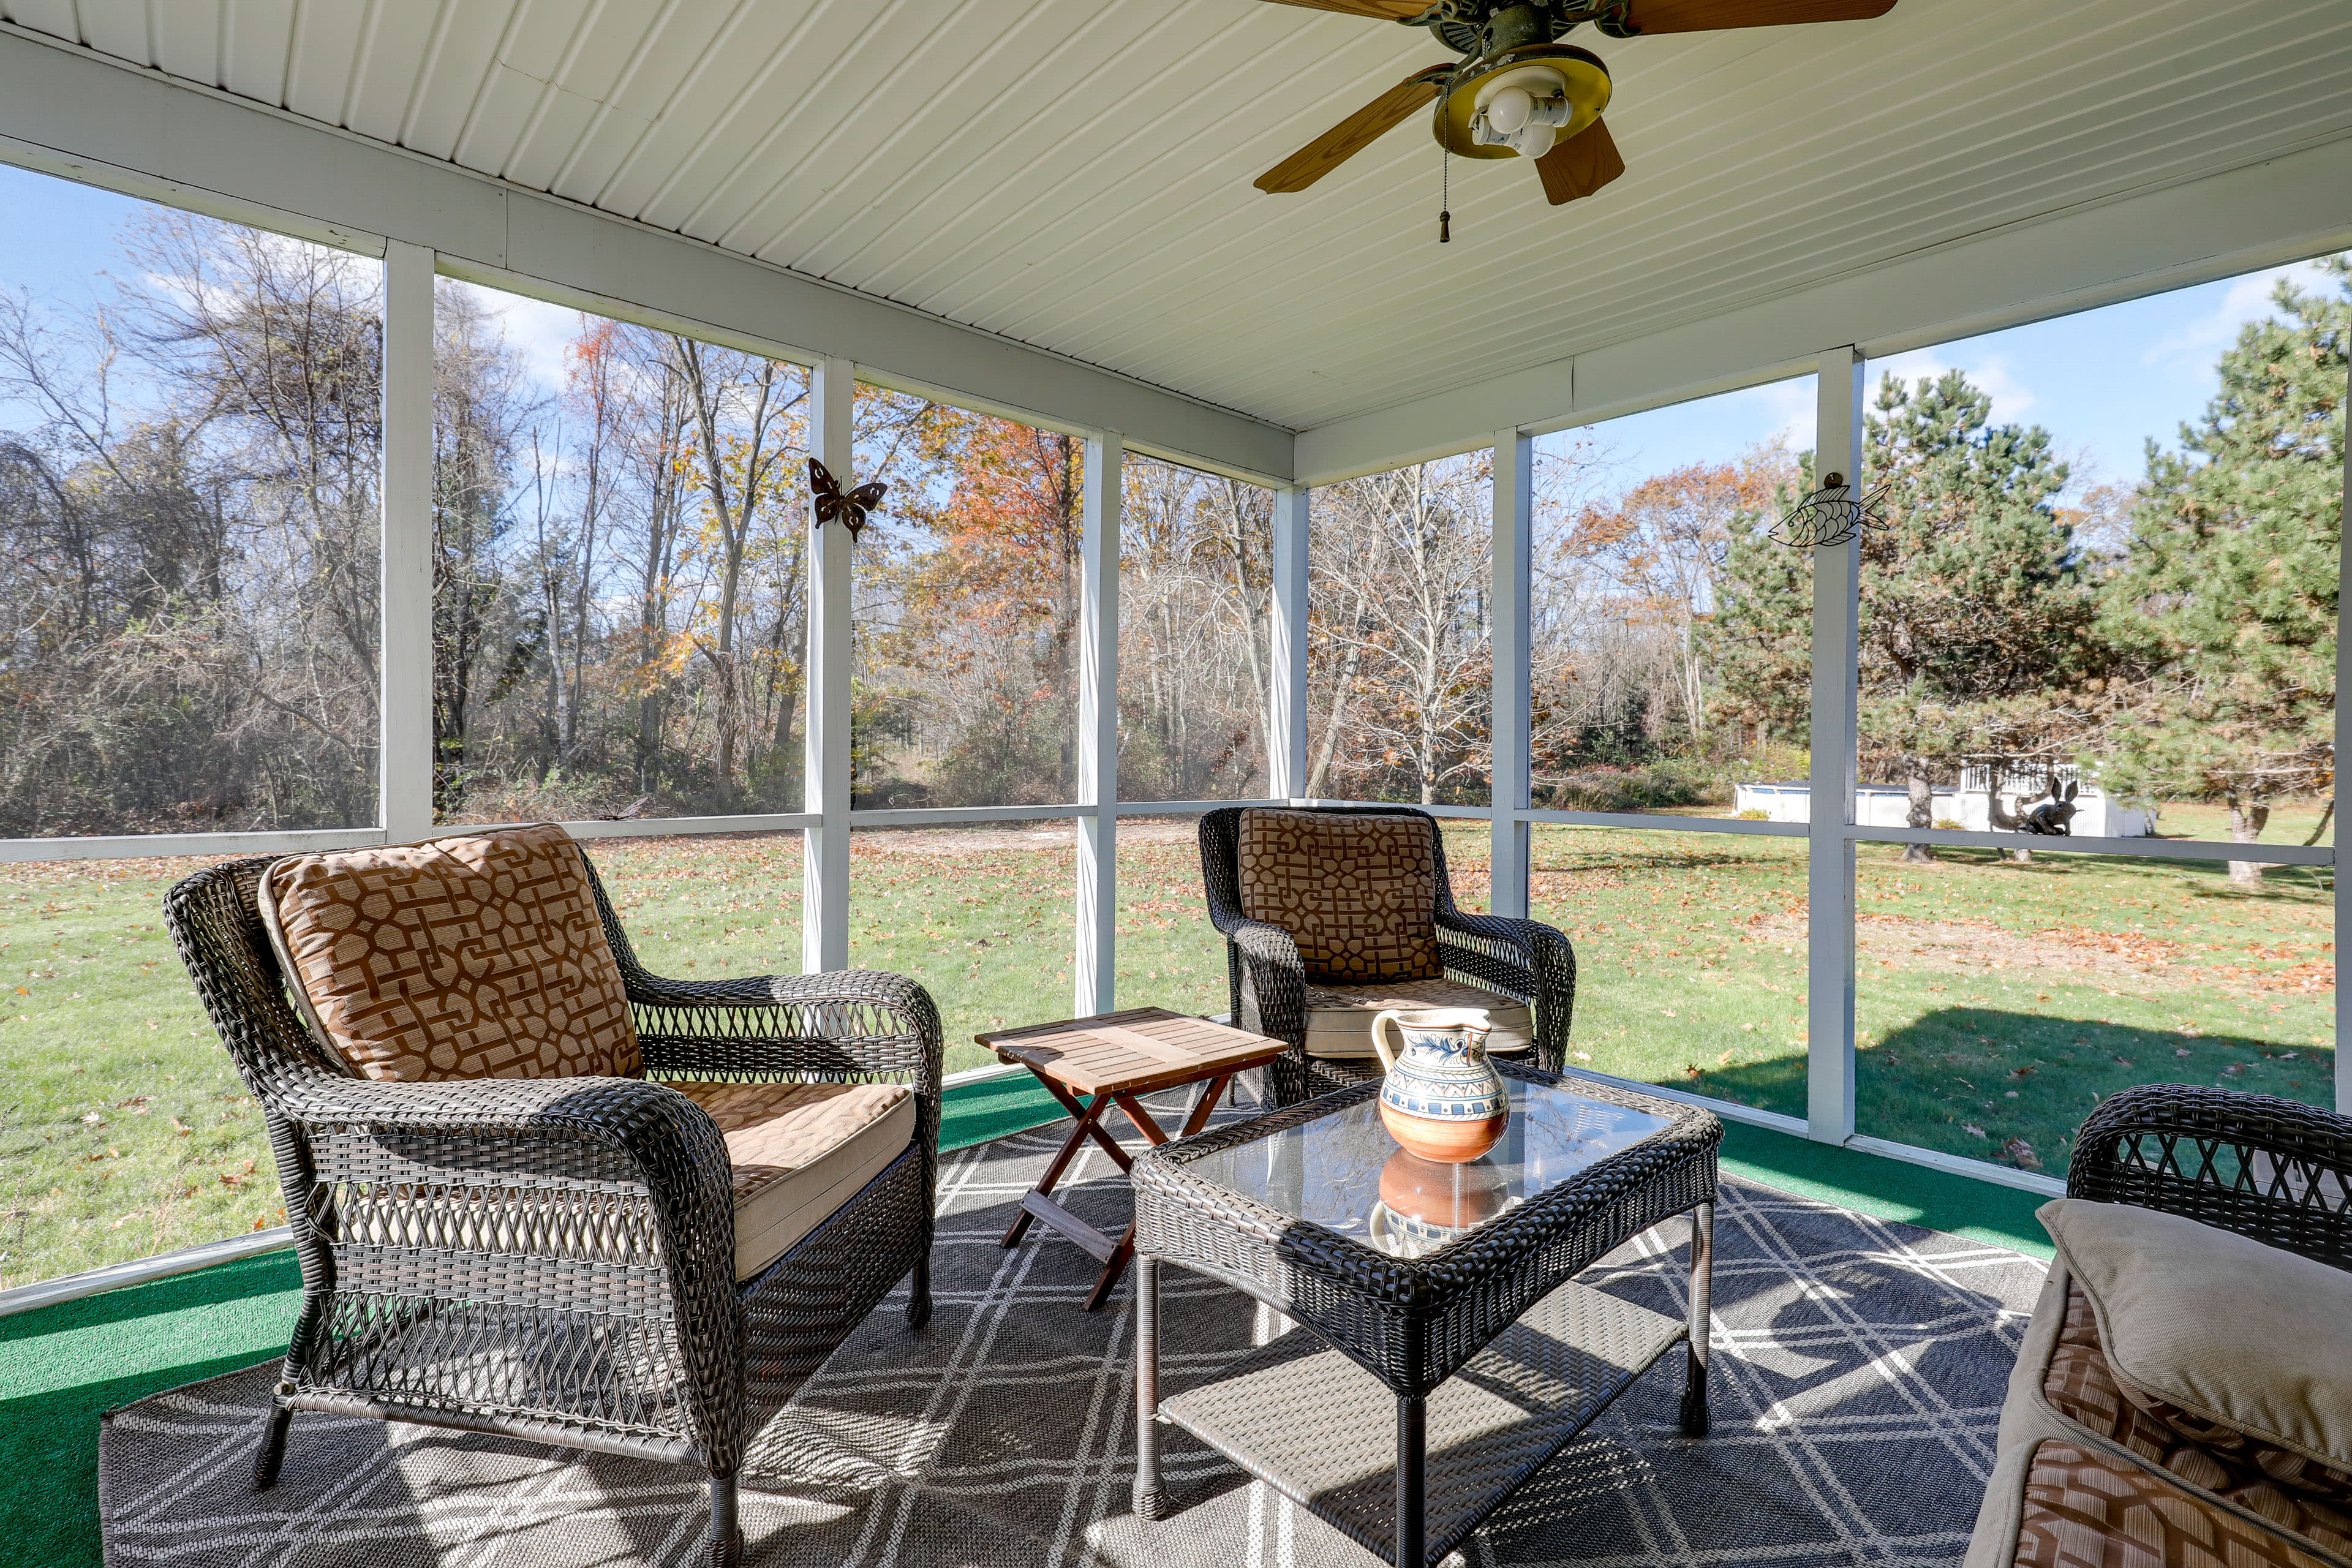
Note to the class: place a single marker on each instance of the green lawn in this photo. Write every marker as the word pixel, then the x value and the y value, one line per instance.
pixel 1994 1001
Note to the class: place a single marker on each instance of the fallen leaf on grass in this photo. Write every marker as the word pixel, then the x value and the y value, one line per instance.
pixel 2124 1061
pixel 2184 1051
pixel 1971 1129
pixel 2018 1153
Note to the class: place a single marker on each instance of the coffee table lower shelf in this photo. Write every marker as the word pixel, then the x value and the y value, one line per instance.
pixel 1323 1431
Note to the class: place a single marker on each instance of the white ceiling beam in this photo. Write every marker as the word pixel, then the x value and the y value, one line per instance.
pixel 67 110
pixel 2276 210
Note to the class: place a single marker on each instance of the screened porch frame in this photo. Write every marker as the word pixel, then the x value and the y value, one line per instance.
pixel 71 113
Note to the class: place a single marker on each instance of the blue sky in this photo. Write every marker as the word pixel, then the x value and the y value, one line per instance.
pixel 2101 381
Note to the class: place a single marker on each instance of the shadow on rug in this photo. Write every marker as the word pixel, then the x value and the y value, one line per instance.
pixel 1859 1371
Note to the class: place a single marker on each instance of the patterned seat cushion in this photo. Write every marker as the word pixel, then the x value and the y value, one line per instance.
pixel 1358 894
pixel 2214 1333
pixel 474 955
pixel 800 1151
pixel 2087 1508
pixel 1339 1017
pixel 2287 1489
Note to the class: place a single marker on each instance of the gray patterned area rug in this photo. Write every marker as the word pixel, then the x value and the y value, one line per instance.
pixel 1859 1372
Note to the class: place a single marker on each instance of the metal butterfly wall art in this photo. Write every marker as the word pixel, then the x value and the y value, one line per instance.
pixel 849 510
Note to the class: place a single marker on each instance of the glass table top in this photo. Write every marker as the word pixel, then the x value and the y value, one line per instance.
pixel 1346 1173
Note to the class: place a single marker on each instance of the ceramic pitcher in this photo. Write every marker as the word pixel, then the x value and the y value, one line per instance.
pixel 1443 1099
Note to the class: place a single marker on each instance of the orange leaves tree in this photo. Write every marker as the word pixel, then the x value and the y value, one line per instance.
pixel 975 603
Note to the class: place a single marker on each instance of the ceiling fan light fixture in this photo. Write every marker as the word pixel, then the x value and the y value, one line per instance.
pixel 1522 102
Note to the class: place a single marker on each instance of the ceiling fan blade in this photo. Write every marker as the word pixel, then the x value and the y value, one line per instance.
pixel 1644 17
pixel 1579 165
pixel 1356 132
pixel 1378 10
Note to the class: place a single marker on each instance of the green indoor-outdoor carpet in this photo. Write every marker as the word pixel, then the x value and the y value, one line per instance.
pixel 62 1366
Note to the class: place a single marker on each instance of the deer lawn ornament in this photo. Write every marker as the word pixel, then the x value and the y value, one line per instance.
pixel 2052 818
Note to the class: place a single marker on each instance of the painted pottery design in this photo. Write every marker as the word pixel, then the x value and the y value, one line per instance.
pixel 1443 1100
pixel 1424 1205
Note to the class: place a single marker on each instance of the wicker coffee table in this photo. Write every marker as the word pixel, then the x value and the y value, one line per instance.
pixel 1440 1364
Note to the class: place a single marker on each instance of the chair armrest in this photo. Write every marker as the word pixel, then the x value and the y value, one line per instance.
pixel 1273 980
pixel 353 1152
pixel 854 1022
pixel 2276 1170
pixel 1524 958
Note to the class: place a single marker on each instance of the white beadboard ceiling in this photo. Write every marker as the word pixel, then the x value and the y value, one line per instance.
pixel 1075 173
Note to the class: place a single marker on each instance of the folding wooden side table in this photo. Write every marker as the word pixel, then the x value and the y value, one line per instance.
pixel 1116 1057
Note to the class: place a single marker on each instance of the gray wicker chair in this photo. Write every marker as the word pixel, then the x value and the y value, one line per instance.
pixel 1525 960
pixel 2276 1170
pixel 553 1259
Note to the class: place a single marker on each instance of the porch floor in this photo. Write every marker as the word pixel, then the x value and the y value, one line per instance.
pixel 61 1366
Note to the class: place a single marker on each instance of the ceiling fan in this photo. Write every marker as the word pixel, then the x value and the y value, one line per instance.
pixel 1517 91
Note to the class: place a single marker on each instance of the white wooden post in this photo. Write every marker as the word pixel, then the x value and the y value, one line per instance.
pixel 404 711
pixel 1286 728
pixel 824 853
pixel 2343 740
pixel 1508 608
pixel 1837 590
pixel 1094 975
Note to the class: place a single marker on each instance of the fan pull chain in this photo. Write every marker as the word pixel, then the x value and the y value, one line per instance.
pixel 1444 194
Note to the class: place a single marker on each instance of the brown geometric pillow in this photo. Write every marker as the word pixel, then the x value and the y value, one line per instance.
pixel 1358 894
pixel 474 955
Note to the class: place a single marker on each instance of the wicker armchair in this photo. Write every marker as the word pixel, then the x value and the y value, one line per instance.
pixel 554 1259
pixel 1524 961
pixel 2276 1170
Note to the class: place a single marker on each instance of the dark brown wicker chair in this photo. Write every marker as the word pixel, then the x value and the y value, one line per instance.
pixel 1525 960
pixel 554 1259
pixel 2276 1170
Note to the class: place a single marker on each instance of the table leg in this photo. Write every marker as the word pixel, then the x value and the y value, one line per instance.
pixel 1206 1103
pixel 1107 1280
pixel 1088 1118
pixel 1412 1480
pixel 1151 1501
pixel 1077 1109
pixel 1702 1285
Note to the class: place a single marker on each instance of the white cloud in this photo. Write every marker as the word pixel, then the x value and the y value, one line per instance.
pixel 541 333
pixel 2194 347
pixel 1790 406
pixel 2012 400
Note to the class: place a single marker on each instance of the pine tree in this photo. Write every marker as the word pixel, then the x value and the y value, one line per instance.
pixel 2229 589
pixel 1758 642
pixel 1974 610
pixel 1973 603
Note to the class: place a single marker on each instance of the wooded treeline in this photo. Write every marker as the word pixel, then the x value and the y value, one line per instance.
pixel 188 521
pixel 188 556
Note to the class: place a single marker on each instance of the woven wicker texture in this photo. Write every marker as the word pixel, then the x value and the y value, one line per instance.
pixel 1858 1367
pixel 554 1259
pixel 2272 1169
pixel 1524 960
pixel 1297 1410
pixel 1413 1322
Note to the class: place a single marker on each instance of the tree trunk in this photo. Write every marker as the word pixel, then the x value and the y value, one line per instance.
pixel 2249 815
pixel 1922 813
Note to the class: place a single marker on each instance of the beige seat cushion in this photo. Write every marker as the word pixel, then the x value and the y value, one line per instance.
pixel 1358 894
pixel 2215 1326
pixel 1339 1017
pixel 471 955
pixel 800 1151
